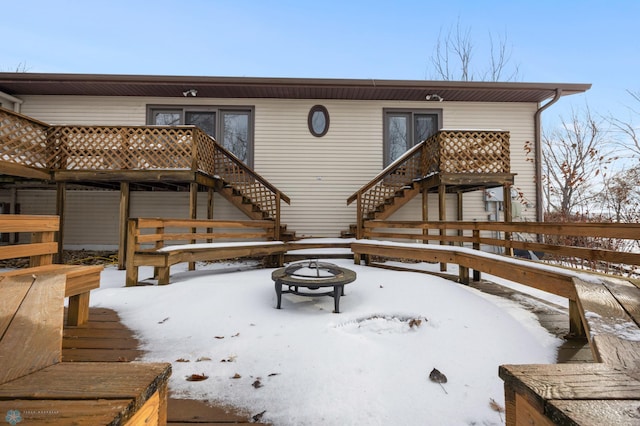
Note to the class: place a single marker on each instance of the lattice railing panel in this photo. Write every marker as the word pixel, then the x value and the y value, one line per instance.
pixel 447 151
pixel 206 152
pixel 401 175
pixel 121 148
pixel 22 141
pixel 241 178
pixel 474 151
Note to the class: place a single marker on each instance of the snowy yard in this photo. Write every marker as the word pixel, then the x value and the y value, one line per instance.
pixel 304 365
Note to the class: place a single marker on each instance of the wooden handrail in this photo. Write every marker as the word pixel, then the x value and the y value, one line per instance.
pixel 622 231
pixel 251 172
pixel 387 171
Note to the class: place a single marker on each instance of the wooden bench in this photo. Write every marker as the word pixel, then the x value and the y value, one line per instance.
pixel 604 309
pixel 40 249
pixel 37 388
pixel 607 392
pixel 233 239
pixel 520 271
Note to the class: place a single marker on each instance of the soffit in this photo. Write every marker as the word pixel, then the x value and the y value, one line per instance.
pixel 17 84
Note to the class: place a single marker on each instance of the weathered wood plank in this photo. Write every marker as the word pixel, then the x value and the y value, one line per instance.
pixel 88 381
pixel 13 293
pixel 111 343
pixel 36 324
pixel 80 278
pixel 102 355
pixel 627 294
pixel 187 236
pixel 27 250
pixel 616 351
pixel 590 381
pixel 149 413
pixel 57 412
pixel 604 316
pixel 28 223
pixel 594 413
pixel 526 414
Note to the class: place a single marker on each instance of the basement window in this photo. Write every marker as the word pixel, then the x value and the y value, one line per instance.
pixel 318 121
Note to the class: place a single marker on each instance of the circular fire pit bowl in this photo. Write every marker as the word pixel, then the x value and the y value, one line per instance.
pixel 313 276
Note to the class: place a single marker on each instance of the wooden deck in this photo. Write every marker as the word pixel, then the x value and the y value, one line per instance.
pixel 105 338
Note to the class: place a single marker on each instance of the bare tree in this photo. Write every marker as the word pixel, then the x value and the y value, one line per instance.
pixel 628 129
pixel 21 67
pixel 574 156
pixel 621 196
pixel 454 52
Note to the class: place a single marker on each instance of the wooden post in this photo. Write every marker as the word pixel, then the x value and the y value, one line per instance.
pixel 425 212
pixel 276 231
pixel 506 207
pixel 61 201
pixel 360 218
pixel 13 209
pixel 476 246
pixel 193 214
pixel 460 215
pixel 124 217
pixel 442 216
pixel 132 246
pixel 210 198
pixel 576 327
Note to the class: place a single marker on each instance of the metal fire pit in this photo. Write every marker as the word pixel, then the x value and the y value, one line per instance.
pixel 313 276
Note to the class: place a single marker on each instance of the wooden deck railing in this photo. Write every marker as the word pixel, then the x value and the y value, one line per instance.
pixel 28 142
pixel 23 140
pixel 608 247
pixel 447 151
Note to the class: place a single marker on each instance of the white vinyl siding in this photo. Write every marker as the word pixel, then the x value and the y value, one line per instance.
pixel 318 174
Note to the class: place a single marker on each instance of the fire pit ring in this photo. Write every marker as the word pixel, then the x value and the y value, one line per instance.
pixel 313 275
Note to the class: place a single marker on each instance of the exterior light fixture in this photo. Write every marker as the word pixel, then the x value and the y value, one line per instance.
pixel 434 97
pixel 190 92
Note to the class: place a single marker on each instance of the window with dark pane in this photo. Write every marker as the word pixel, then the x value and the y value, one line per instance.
pixel 203 119
pixel 403 129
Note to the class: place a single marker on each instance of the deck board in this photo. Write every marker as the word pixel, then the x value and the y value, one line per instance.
pixel 105 338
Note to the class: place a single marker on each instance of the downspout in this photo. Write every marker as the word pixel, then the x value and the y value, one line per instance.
pixel 16 102
pixel 538 152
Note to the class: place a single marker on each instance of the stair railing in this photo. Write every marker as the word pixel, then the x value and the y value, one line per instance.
pixel 401 173
pixel 446 151
pixel 223 164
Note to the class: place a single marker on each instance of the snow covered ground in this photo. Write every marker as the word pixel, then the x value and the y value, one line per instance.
pixel 304 365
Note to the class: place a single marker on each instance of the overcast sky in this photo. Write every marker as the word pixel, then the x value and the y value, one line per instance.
pixel 552 41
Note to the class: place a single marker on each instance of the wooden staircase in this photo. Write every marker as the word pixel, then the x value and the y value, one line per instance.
pixel 244 203
pixel 391 204
pixel 449 161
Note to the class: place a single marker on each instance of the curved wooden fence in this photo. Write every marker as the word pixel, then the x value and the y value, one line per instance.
pixel 607 247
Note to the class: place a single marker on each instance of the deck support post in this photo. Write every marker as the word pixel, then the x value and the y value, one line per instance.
pixel 476 246
pixel 61 201
pixel 506 204
pixel 425 212
pixel 210 195
pixel 442 216
pixel 124 218
pixel 193 214
pixel 576 327
pixel 460 215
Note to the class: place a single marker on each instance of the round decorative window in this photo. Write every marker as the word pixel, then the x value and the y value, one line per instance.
pixel 318 121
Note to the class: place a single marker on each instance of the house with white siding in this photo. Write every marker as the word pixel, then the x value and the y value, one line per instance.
pixel 315 142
